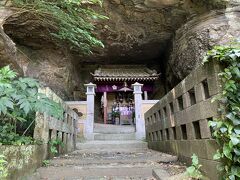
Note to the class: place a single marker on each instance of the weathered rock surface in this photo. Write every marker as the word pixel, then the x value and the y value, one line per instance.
pixel 8 50
pixel 35 54
pixel 138 31
pixel 194 38
pixel 53 67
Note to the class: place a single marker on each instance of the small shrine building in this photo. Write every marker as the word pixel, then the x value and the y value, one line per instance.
pixel 114 91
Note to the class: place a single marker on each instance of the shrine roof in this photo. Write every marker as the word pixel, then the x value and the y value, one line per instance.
pixel 125 73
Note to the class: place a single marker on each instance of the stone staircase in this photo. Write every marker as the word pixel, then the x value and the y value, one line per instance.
pixel 111 138
pixel 114 154
pixel 113 133
pixel 105 165
pixel 113 129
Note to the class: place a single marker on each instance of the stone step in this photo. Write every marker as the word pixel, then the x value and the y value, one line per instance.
pixel 113 129
pixel 114 158
pixel 122 150
pixel 112 145
pixel 107 172
pixel 104 137
pixel 161 174
pixel 106 165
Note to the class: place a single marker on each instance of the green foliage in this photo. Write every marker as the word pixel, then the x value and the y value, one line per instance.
pixel 115 114
pixel 46 163
pixel 227 127
pixel 19 97
pixel 70 21
pixel 9 137
pixel 194 170
pixel 54 144
pixel 19 101
pixel 3 167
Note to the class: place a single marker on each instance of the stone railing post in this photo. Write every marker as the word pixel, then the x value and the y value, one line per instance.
pixel 88 125
pixel 140 123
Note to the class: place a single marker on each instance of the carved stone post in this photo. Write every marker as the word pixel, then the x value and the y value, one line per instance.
pixel 140 123
pixel 88 125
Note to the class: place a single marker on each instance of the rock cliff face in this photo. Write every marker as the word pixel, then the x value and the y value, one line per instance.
pixel 8 52
pixel 33 53
pixel 53 67
pixel 140 30
pixel 194 38
pixel 170 34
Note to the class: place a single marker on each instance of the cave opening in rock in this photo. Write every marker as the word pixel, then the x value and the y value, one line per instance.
pixel 149 47
pixel 170 38
pixel 113 74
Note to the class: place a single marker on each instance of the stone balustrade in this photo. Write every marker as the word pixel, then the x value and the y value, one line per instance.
pixel 48 128
pixel 178 123
pixel 25 159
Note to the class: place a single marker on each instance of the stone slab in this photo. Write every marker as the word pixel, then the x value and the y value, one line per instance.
pixel 114 137
pixel 53 173
pixel 113 129
pixel 111 145
pixel 160 174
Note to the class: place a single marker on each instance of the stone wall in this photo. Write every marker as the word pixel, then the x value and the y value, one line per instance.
pixel 22 160
pixel 178 123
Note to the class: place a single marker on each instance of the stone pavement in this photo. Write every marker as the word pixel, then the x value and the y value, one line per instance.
pixel 112 155
pixel 109 165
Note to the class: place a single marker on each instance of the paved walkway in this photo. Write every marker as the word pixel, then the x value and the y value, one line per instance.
pixel 113 165
pixel 111 158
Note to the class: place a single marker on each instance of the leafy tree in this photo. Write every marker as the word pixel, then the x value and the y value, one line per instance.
pixel 19 101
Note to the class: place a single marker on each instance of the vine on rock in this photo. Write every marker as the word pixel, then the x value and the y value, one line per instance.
pixel 70 21
pixel 226 128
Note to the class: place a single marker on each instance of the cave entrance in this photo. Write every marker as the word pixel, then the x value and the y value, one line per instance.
pixel 114 93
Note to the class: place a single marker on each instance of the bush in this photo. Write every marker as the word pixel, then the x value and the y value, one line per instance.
pixel 19 102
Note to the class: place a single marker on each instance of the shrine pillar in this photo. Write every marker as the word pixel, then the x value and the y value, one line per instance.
pixel 140 123
pixel 89 122
pixel 105 117
pixel 145 95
